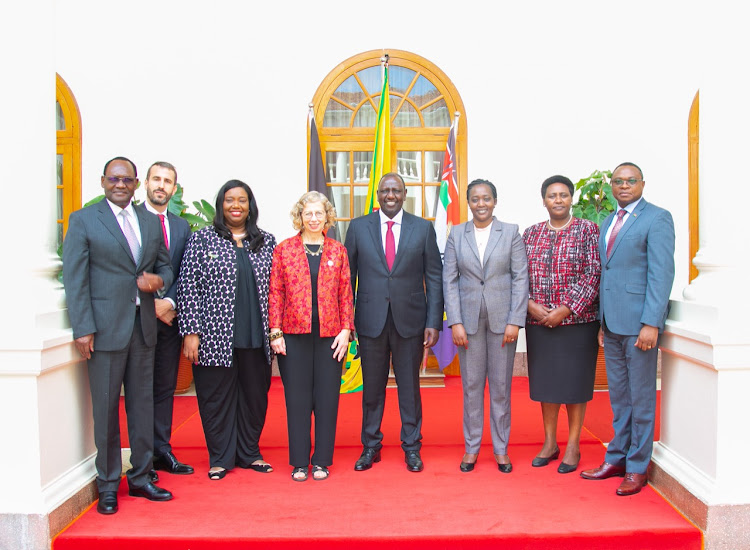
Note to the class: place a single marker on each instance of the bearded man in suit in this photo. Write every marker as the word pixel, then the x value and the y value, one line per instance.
pixel 160 184
pixel 114 260
pixel 397 276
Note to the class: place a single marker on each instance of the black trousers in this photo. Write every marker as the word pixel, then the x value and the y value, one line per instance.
pixel 406 355
pixel 166 365
pixel 233 402
pixel 132 367
pixel 312 382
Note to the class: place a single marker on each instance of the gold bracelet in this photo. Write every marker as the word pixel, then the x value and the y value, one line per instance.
pixel 275 335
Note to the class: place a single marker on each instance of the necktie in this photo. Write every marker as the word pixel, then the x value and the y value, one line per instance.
pixel 615 231
pixel 390 246
pixel 130 236
pixel 164 230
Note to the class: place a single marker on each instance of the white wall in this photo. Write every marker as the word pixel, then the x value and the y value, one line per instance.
pixel 221 89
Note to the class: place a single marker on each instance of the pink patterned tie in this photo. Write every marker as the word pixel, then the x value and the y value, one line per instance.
pixel 164 230
pixel 390 246
pixel 615 231
pixel 130 236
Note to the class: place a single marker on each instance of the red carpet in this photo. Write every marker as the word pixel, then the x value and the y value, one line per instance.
pixel 532 508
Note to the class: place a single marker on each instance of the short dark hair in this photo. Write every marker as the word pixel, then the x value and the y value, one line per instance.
pixel 135 170
pixel 254 236
pixel 488 183
pixel 629 164
pixel 162 164
pixel 558 179
pixel 393 175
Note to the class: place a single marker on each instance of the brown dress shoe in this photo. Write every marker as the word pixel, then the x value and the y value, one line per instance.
pixel 632 484
pixel 605 471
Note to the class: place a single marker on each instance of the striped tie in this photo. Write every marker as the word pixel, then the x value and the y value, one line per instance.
pixel 130 236
pixel 615 231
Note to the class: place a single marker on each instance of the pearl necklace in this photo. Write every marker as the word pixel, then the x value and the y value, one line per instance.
pixel 310 252
pixel 553 228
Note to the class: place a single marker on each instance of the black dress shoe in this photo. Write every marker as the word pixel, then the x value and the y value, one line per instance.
pixel 169 463
pixel 153 477
pixel 540 461
pixel 467 466
pixel 413 461
pixel 107 502
pixel 149 491
pixel 565 468
pixel 505 468
pixel 366 459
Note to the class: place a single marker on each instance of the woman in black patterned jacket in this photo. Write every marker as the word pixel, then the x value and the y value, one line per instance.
pixel 223 304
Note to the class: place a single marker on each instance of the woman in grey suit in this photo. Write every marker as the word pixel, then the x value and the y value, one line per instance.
pixel 486 288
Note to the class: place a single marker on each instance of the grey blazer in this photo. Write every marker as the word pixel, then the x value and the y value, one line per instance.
pixel 637 278
pixel 503 281
pixel 100 276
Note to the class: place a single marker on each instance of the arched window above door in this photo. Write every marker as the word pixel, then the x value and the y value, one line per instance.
pixel 423 103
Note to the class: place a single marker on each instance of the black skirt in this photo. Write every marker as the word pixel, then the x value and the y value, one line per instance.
pixel 562 362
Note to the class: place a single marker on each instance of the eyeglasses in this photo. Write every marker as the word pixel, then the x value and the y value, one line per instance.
pixel 619 182
pixel 309 215
pixel 114 179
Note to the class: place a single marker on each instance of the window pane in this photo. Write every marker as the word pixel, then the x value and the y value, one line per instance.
pixel 399 78
pixel 413 201
pixel 339 195
pixel 360 197
pixel 407 115
pixel 423 92
pixel 436 115
pixel 409 165
pixel 59 234
pixel 341 228
pixel 336 116
pixel 431 197
pixel 337 167
pixel 372 79
pixel 60 184
pixel 59 119
pixel 350 92
pixel 59 203
pixel 433 166
pixel 362 167
pixel 366 117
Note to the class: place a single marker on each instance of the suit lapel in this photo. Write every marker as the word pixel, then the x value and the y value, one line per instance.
pixel 407 228
pixel 377 240
pixel 145 234
pixel 632 219
pixel 173 234
pixel 495 234
pixel 107 217
pixel 471 241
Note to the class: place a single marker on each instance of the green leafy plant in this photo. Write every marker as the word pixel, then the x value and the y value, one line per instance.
pixel 595 201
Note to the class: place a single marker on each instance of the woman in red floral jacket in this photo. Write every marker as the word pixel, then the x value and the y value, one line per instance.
pixel 310 310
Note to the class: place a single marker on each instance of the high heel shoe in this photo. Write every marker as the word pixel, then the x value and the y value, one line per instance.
pixel 540 461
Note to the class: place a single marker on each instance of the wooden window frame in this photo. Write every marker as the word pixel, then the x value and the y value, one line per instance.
pixel 693 178
pixel 361 139
pixel 69 145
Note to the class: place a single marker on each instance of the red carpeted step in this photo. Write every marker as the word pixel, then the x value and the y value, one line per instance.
pixel 387 506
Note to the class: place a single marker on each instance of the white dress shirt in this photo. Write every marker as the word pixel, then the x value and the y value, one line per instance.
pixel 396 227
pixel 628 210
pixel 133 218
pixel 482 236
pixel 157 213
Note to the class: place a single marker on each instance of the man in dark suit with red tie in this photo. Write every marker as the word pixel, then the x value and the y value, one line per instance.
pixel 160 184
pixel 114 260
pixel 636 246
pixel 397 275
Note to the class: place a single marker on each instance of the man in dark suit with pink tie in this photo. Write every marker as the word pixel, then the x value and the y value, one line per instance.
pixel 636 246
pixel 397 276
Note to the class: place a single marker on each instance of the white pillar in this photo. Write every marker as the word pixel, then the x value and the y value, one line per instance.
pixel 46 425
pixel 706 345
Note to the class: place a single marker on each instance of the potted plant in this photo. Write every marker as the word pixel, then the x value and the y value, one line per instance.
pixel 595 202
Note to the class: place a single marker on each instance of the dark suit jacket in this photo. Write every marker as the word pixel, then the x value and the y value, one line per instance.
pixel 413 289
pixel 100 276
pixel 179 233
pixel 637 278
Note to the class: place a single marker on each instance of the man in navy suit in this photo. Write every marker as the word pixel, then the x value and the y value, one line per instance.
pixel 397 276
pixel 636 246
pixel 114 260
pixel 161 183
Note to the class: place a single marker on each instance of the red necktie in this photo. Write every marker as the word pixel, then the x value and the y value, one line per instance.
pixel 390 246
pixel 164 230
pixel 615 231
